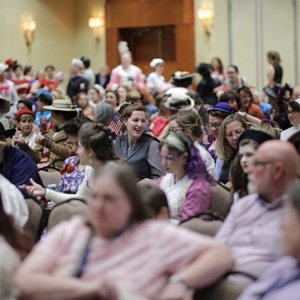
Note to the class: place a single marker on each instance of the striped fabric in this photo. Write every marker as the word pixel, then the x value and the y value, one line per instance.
pixel 139 261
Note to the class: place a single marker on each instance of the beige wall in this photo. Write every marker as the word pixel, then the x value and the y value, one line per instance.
pixel 255 27
pixel 62 32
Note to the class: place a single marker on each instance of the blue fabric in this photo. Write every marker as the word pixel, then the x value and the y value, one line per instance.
pixel 18 167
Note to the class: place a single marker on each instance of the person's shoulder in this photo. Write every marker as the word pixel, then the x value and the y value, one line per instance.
pixel 245 203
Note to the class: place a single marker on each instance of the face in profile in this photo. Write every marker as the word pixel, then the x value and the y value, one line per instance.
pixel 171 161
pixel 110 208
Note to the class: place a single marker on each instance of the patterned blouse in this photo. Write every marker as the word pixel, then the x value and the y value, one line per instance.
pixel 71 176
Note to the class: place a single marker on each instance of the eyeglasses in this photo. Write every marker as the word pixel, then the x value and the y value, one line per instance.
pixel 213 125
pixel 258 163
pixel 292 112
pixel 174 129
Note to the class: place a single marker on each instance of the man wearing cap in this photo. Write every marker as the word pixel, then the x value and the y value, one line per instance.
pixel 8 90
pixel 77 82
pixel 156 81
pixel 293 113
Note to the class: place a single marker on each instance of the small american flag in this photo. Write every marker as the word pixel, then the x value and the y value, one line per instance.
pixel 116 124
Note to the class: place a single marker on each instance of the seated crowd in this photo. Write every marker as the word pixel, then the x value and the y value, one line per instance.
pixel 147 188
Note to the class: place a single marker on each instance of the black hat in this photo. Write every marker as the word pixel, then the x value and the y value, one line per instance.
pixel 255 135
pixel 6 133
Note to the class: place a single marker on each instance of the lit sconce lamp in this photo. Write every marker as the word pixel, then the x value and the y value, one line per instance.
pixel 28 28
pixel 95 23
pixel 207 17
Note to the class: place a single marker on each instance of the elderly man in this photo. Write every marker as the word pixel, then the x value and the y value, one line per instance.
pixel 252 230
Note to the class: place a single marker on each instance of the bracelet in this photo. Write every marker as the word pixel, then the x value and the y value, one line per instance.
pixel 177 279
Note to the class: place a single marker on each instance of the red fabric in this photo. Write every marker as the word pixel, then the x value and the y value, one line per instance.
pixel 50 84
pixel 255 111
pixel 159 123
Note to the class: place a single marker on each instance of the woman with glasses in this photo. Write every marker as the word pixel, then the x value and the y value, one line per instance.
pixel 189 123
pixel 226 146
pixel 294 118
pixel 187 183
pixel 246 103
pixel 216 115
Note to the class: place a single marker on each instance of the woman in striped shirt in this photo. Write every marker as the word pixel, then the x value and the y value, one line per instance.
pixel 119 251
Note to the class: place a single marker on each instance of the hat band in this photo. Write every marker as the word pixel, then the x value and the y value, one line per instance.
pixel 62 105
pixel 180 103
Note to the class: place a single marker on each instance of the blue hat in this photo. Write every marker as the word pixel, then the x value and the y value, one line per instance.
pixel 223 107
pixel 44 95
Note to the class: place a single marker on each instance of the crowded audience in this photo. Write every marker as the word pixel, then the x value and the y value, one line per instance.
pixel 143 154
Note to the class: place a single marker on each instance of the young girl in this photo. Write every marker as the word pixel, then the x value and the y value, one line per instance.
pixel 187 183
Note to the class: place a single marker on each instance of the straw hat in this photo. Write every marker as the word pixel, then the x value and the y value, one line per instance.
pixel 61 105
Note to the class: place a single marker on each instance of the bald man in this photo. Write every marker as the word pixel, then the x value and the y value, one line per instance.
pixel 252 230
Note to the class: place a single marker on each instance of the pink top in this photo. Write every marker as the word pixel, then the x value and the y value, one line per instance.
pixel 138 261
pixel 187 197
pixel 253 232
pixel 132 74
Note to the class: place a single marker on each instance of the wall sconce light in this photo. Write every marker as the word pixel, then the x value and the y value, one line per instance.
pixel 207 17
pixel 28 28
pixel 95 23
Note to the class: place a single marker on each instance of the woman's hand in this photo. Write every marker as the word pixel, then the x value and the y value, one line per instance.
pixel 34 190
pixel 176 291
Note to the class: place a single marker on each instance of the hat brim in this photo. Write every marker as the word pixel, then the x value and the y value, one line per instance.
pixel 58 108
pixel 270 92
pixel 221 110
pixel 187 107
pixel 8 133
pixel 4 105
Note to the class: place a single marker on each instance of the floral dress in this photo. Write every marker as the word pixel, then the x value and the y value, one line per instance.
pixel 72 176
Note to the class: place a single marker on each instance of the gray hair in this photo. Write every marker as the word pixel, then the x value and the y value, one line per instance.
pixel 104 113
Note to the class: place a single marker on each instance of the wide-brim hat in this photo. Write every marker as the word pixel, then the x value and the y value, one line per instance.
pixel 7 133
pixel 4 105
pixel 222 107
pixel 62 105
pixel 270 92
pixel 178 99
pixel 3 67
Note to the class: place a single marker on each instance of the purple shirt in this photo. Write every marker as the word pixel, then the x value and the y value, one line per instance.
pixel 281 281
pixel 253 232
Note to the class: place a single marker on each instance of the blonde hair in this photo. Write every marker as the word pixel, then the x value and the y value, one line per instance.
pixel 267 128
pixel 223 149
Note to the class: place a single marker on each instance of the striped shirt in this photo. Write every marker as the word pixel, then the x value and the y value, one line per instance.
pixel 138 261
